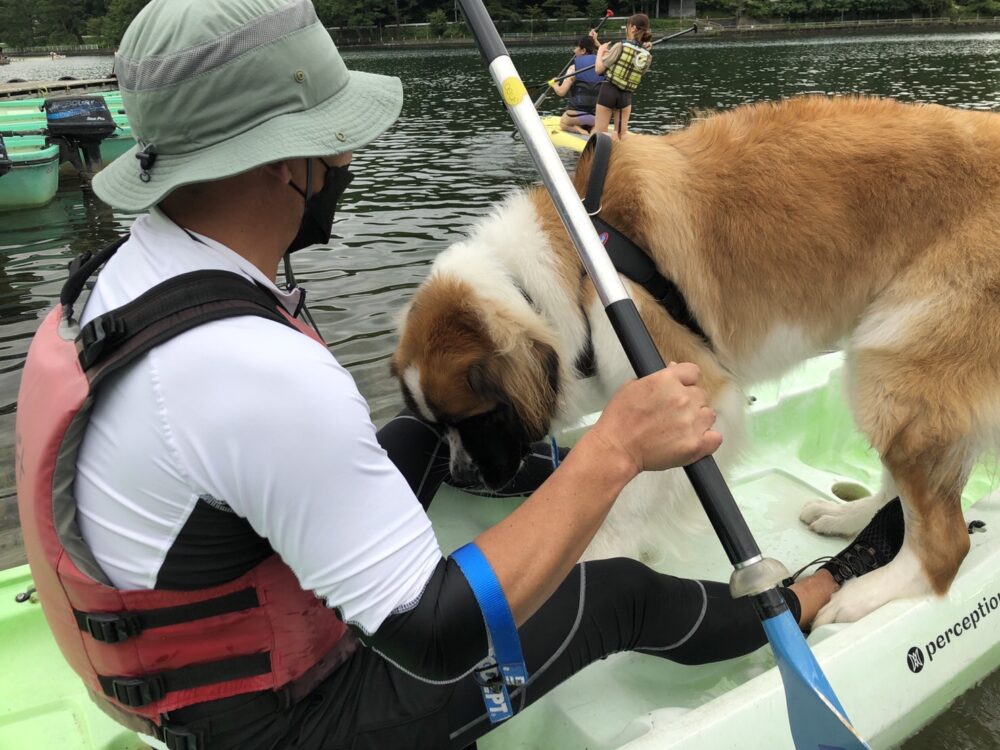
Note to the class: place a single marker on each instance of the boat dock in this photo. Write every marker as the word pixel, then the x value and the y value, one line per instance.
pixel 40 89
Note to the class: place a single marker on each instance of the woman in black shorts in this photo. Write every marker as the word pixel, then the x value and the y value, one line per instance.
pixel 623 65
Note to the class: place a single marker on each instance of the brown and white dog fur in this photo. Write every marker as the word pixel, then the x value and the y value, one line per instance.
pixel 791 228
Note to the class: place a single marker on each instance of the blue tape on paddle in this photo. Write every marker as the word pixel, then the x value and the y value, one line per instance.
pixel 505 665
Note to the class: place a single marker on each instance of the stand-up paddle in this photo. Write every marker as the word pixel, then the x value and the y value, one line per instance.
pixel 816 718
pixel 564 75
pixel 538 102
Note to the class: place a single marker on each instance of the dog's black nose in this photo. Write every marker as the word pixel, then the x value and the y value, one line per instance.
pixel 465 474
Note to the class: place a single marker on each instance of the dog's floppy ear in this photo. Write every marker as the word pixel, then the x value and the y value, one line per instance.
pixel 485 381
pixel 526 378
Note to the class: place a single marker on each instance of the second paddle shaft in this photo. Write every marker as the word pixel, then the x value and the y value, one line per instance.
pixel 538 102
pixel 563 77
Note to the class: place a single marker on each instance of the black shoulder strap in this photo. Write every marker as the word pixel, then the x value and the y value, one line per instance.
pixel 112 340
pixel 81 269
pixel 184 302
pixel 629 259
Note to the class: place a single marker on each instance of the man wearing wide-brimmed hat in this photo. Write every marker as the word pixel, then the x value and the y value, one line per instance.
pixel 214 526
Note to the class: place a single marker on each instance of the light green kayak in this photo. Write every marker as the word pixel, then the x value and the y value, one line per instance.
pixel 804 447
pixel 119 143
pixel 15 106
pixel 20 112
pixel 111 148
pixel 36 120
pixel 26 115
pixel 58 713
pixel 34 175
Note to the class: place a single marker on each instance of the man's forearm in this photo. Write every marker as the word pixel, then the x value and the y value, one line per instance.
pixel 534 548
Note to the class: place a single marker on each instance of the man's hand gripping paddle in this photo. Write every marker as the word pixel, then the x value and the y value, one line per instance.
pixel 816 718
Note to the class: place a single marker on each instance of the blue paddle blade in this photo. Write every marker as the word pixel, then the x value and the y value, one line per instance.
pixel 816 718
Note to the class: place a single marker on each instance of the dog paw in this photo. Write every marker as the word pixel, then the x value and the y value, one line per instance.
pixel 901 579
pixel 835 519
pixel 814 510
pixel 852 602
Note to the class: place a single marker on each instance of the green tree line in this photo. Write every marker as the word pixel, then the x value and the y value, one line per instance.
pixel 30 23
pixel 802 10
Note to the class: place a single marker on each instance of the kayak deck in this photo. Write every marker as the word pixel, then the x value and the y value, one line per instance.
pixel 802 444
pixel 42 702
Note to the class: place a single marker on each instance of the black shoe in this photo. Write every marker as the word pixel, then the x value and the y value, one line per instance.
pixel 876 546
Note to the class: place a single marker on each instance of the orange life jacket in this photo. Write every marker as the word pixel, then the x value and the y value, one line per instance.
pixel 143 653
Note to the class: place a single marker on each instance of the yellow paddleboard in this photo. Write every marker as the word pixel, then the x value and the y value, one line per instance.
pixel 561 138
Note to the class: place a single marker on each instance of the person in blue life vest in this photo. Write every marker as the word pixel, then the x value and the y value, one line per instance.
pixel 582 88
pixel 623 65
pixel 228 553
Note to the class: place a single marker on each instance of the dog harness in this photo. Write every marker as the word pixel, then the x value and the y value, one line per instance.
pixel 143 653
pixel 629 258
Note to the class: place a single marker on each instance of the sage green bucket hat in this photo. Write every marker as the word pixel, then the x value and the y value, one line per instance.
pixel 213 88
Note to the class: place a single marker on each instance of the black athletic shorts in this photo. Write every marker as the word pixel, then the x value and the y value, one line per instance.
pixel 603 607
pixel 612 97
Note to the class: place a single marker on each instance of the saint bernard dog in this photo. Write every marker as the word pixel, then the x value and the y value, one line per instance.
pixel 790 228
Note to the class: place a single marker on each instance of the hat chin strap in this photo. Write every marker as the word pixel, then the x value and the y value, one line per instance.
pixel 308 192
pixel 306 195
pixel 290 282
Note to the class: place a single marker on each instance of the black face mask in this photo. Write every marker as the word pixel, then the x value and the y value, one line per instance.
pixel 317 221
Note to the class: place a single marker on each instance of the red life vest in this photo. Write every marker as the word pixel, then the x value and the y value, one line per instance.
pixel 146 652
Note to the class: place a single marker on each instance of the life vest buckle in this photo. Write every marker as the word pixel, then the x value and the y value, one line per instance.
pixel 181 739
pixel 112 628
pixel 96 335
pixel 136 692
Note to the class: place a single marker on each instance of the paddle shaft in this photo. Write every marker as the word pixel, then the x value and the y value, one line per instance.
pixel 563 76
pixel 816 718
pixel 705 476
pixel 540 99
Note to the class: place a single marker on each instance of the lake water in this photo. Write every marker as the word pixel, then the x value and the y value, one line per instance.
pixel 450 157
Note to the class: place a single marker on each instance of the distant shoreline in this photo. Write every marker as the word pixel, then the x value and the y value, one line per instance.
pixel 712 32
pixel 725 34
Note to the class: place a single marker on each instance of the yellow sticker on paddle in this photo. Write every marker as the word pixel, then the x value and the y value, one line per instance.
pixel 513 91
